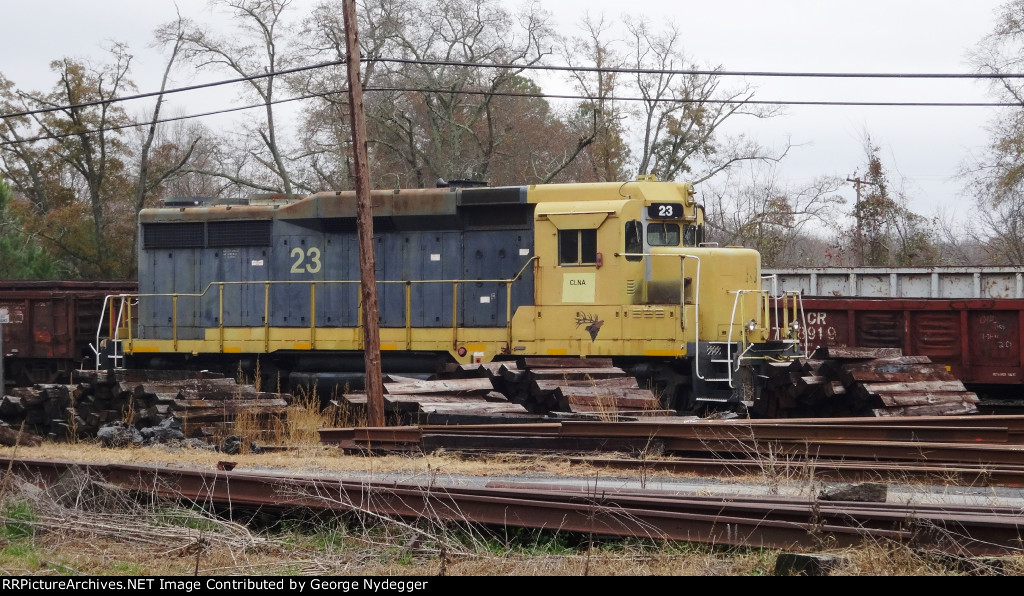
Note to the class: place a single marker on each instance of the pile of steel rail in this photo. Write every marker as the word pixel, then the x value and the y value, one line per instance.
pixel 768 522
pixel 972 450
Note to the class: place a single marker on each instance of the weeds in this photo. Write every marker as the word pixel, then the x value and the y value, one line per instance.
pixel 602 404
pixel 17 520
pixel 245 419
pixel 72 420
pixel 83 527
pixel 340 413
pixel 304 418
pixel 128 416
pixel 69 513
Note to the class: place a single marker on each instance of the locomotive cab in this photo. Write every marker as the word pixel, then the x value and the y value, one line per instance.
pixel 623 270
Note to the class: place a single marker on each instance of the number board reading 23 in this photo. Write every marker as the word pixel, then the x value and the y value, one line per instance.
pixel 665 211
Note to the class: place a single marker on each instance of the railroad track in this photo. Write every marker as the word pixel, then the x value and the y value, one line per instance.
pixel 968 450
pixel 773 522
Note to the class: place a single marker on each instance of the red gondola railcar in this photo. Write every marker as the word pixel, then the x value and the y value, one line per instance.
pixel 50 325
pixel 979 340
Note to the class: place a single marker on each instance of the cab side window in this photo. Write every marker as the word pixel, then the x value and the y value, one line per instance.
pixel 634 240
pixel 577 247
pixel 693 235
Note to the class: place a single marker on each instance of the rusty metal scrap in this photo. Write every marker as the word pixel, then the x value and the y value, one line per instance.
pixel 986 449
pixel 771 522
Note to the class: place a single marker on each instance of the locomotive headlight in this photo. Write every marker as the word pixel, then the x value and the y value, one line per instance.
pixel 795 326
pixel 751 325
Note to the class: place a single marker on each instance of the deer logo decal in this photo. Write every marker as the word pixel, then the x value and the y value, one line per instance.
pixel 592 322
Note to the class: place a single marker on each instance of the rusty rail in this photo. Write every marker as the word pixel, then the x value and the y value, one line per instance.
pixel 977 449
pixel 772 522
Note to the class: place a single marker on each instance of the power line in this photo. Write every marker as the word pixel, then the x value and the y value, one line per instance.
pixel 514 94
pixel 165 120
pixel 673 72
pixel 723 73
pixel 100 102
pixel 711 101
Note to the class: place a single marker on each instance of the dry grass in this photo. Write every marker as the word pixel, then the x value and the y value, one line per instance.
pixel 86 529
pixel 603 406
pixel 81 527
pixel 72 419
pixel 78 526
pixel 321 458
pixel 298 427
pixel 305 419
pixel 128 415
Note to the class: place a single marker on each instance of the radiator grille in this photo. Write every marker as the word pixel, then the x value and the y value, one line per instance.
pixel 173 235
pixel 239 233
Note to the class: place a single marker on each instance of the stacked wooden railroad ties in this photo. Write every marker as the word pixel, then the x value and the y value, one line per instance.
pixel 586 386
pixel 522 391
pixel 206 403
pixel 447 401
pixel 880 382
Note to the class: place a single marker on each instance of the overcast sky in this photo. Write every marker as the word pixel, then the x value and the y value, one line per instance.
pixel 924 145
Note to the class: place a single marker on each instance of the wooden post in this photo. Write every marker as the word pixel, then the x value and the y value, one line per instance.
pixel 860 237
pixel 364 219
pixel 856 213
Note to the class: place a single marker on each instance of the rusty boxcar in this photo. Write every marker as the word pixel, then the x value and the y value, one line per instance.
pixel 50 325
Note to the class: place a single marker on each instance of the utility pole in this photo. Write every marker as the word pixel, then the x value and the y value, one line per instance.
pixel 364 224
pixel 857 182
pixel 4 318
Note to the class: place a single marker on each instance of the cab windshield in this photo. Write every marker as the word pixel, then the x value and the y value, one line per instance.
pixel 663 234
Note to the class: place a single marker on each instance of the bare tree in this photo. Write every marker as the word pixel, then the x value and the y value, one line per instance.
pixel 429 117
pixel 148 178
pixel 256 54
pixel 175 34
pixel 959 240
pixel 600 118
pixel 681 114
pixel 995 177
pixel 753 207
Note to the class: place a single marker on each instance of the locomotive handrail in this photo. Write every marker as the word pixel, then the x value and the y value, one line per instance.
pixel 507 282
pixel 748 345
pixel 798 308
pixel 732 323
pixel 803 322
pixel 774 291
pixel 321 281
pixel 109 298
pixel 96 347
pixel 797 305
pixel 304 282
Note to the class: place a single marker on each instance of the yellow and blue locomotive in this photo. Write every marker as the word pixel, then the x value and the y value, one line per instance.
pixel 465 273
